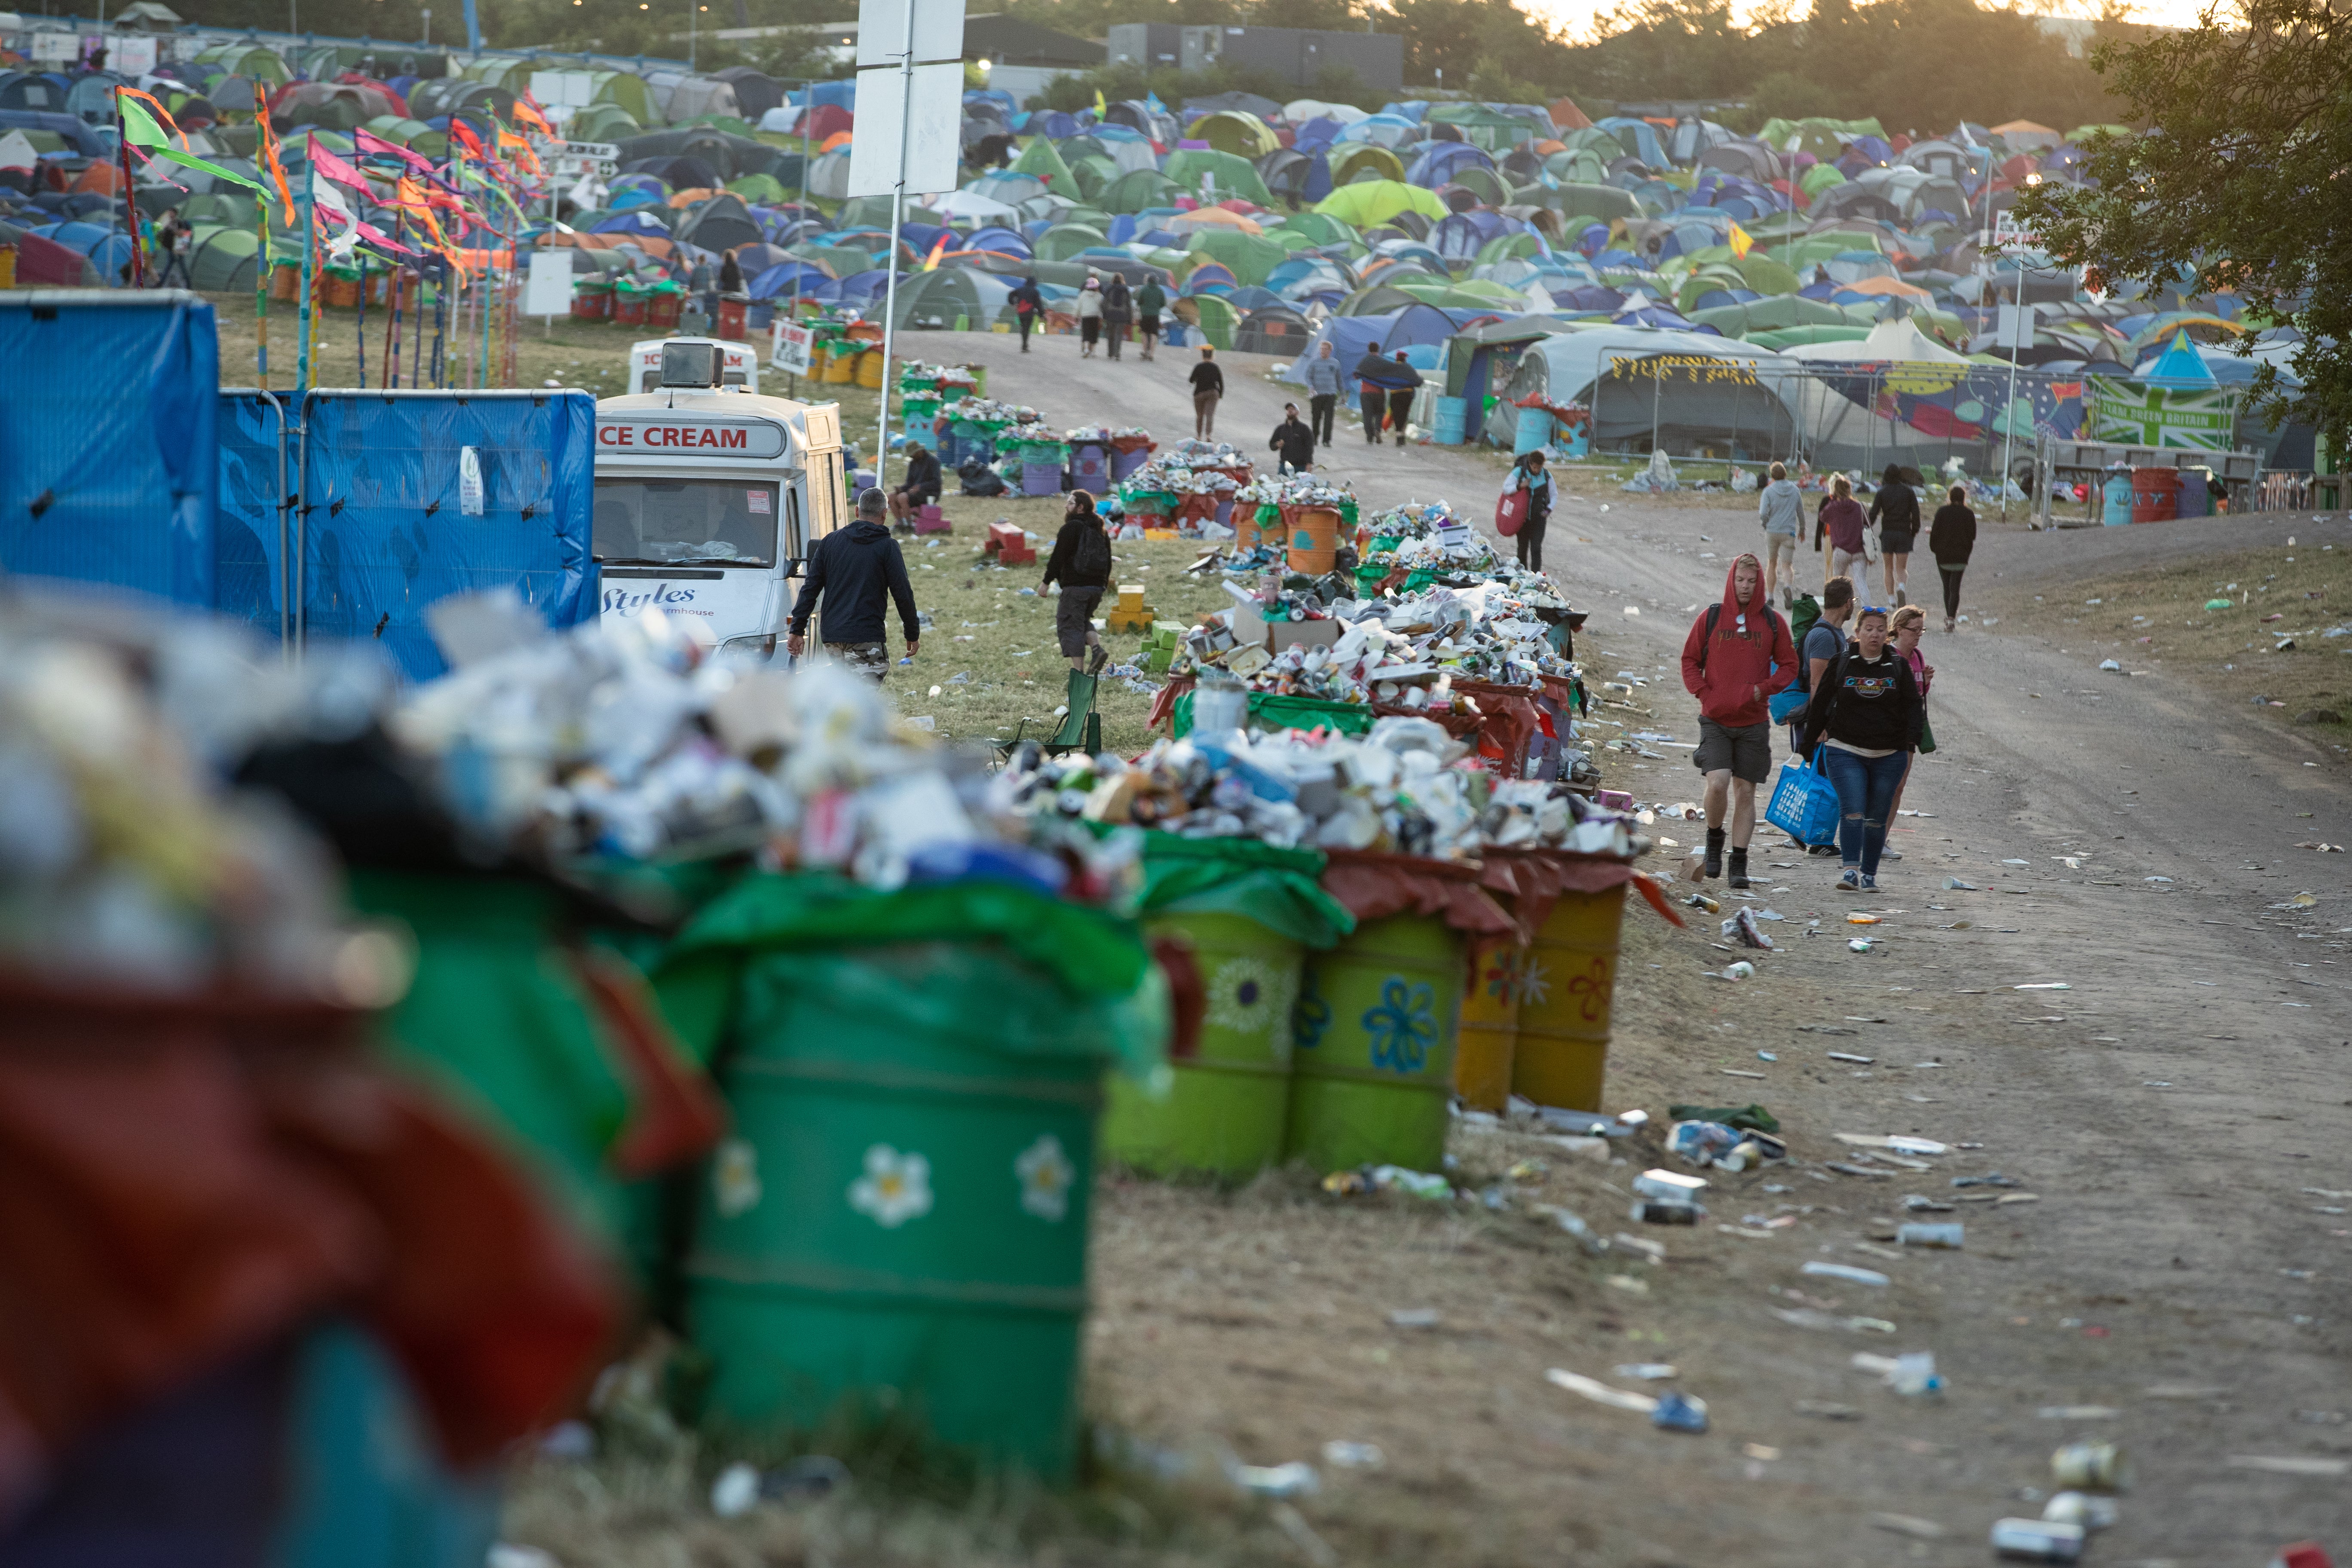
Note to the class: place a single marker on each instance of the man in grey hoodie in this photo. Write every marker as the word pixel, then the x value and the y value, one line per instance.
pixel 1781 508
pixel 1323 389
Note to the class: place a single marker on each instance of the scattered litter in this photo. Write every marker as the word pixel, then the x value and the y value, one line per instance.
pixel 1848 1056
pixel 1905 1524
pixel 1601 1393
pixel 1815 1318
pixel 1859 944
pixel 1742 926
pixel 736 1491
pixel 1955 885
pixel 1294 1479
pixel 1677 1412
pixel 1846 1271
pixel 1341 1456
pixel 2095 1464
pixel 2044 986
pixel 1948 1237
pixel 1644 1370
pixel 1415 1318
pixel 2078 1413
pixel 2290 1464
pixel 506 1555
pixel 1388 1178
pixel 1828 1411
pixel 2082 1509
pixel 2037 1540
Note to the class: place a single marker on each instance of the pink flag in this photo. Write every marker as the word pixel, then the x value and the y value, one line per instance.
pixel 375 236
pixel 335 169
pixel 367 142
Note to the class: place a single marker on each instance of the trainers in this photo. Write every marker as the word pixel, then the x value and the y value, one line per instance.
pixel 1870 884
pixel 1823 850
pixel 1739 877
pixel 1851 882
pixel 1890 854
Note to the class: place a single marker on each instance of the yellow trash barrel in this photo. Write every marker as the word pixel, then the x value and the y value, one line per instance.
pixel 1569 976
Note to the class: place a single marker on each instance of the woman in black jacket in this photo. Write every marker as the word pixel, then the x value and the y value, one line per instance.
pixel 1951 537
pixel 1865 716
pixel 1896 510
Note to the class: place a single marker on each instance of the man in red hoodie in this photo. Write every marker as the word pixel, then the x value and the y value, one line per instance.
pixel 1737 654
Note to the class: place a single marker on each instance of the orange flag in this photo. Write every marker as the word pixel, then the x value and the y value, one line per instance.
pixel 268 144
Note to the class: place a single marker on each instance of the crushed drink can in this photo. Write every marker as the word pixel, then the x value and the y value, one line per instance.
pixel 1649 1212
pixel 2037 1540
pixel 2091 1465
pixel 1945 1235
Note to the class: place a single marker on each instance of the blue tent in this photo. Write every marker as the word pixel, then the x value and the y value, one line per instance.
pixel 635 221
pixel 1638 137
pixel 1440 161
pixel 2178 365
pixel 1462 236
pixel 1592 297
pixel 776 282
pixel 1051 124
pixel 996 237
pixel 1351 336
pixel 1210 277
pixel 1316 134
pixel 992 97
pixel 835 94
pixel 1411 112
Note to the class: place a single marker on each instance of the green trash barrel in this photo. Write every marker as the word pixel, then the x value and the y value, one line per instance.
pixel 900 1216
pixel 1225 1110
pixel 1378 1017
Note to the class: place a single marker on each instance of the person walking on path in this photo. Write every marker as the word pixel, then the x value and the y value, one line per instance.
pixel 1323 385
pixel 858 572
pixel 1950 539
pixel 1149 300
pixel 1896 510
pixel 1781 508
pixel 1865 716
pixel 1029 310
pixel 1090 316
pixel 1405 382
pixel 1737 654
pixel 1081 563
pixel 1841 522
pixel 1118 310
pixel 1372 377
pixel 1825 640
pixel 1208 385
pixel 1906 627
pixel 1529 474
pixel 1294 440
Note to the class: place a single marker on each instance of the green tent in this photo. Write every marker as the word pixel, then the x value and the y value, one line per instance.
pixel 610 121
pixel 1216 319
pixel 1230 131
pixel 1483 127
pixel 1593 140
pixel 1819 178
pixel 1064 240
pixel 1780 338
pixel 1467 294
pixel 758 188
pixel 1577 166
pixel 232 209
pixel 1040 158
pixel 1321 228
pixel 1362 160
pixel 1504 247
pixel 1139 189
pixel 1766 276
pixel 1249 256
pixel 1093 173
pixel 1371 201
pixel 246 59
pixel 1491 188
pixel 1374 299
pixel 1822 137
pixel 221 259
pixel 1213 175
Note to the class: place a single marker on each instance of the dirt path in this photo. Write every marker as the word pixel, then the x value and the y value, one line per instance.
pixel 2173 1112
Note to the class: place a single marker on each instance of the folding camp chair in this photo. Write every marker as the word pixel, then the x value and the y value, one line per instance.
pixel 1081 725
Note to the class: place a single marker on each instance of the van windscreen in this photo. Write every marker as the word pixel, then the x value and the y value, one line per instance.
pixel 666 522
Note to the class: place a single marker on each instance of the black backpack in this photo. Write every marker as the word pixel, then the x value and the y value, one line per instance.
pixel 1090 556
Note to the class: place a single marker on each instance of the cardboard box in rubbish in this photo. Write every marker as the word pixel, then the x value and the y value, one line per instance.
pixel 1282 634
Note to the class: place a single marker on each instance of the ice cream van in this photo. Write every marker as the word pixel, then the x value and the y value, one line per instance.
pixel 708 500
pixel 740 369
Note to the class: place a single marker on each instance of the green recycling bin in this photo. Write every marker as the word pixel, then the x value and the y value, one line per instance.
pixel 1378 1018
pixel 1225 1106
pixel 900 1217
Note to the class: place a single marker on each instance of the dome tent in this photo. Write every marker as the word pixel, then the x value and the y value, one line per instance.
pixel 1214 175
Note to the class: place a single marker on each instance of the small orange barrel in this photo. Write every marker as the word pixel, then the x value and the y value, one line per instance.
pixel 2155 495
pixel 343 293
pixel 286 281
pixel 1490 1024
pixel 1565 992
pixel 1314 539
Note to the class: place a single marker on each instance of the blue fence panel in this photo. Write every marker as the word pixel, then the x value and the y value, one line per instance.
pixel 255 504
pixel 107 468
pixel 384 525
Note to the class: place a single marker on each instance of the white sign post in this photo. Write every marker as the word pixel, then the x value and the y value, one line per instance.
pixel 909 119
pixel 548 290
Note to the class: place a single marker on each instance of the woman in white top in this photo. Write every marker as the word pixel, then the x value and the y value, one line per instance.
pixel 1090 316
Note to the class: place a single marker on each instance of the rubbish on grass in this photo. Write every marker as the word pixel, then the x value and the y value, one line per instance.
pixel 2093 1464
pixel 1655 1213
pixel 1701 902
pixel 1955 885
pixel 1287 1480
pixel 1861 920
pixel 2112 666
pixel 1815 1318
pixel 2081 1508
pixel 2301 1554
pixel 1914 1374
pixel 2037 1540
pixel 1919 1204
pixel 1574 1225
pixel 1748 1117
pixel 1601 1393
pixel 1387 1178
pixel 1415 1318
pixel 2290 1464
pixel 1846 1271
pixel 1742 927
pixel 1905 1524
pixel 736 1491
pixel 1343 1456
pixel 1849 1056
pixel 1942 1235
pixel 1678 1412
pixel 1669 1186
pixel 1644 1370
pixel 1743 970
pixel 2044 986
pixel 1991 1179
pixel 1827 1410
pixel 2078 1413
pixel 506 1555
pixel 1859 944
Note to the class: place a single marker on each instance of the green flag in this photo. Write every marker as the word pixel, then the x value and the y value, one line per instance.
pixel 139 128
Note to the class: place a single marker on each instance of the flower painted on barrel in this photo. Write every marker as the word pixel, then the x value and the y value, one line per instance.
pixel 1047 1176
pixel 1309 1016
pixel 1535 980
pixel 1249 995
pixel 1500 974
pixel 894 1188
pixel 1403 1026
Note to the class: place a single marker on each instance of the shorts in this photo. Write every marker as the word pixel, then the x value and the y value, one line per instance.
pixel 1089 328
pixel 1073 618
pixel 1776 545
pixel 1895 543
pixel 1745 749
pixel 1150 326
pixel 864 658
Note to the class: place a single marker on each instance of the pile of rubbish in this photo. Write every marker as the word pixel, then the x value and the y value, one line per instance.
pixel 1406 787
pixel 1280 489
pixel 1419 537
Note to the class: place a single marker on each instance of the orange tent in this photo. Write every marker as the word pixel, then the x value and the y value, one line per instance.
pixel 1567 117
pixel 103 179
pixel 1889 286
pixel 1213 217
pixel 839 139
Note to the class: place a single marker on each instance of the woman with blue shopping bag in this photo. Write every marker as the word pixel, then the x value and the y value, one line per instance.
pixel 1864 720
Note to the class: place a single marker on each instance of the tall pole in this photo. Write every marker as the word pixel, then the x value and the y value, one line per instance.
pixel 693 14
pixel 2008 411
pixel 898 218
pixel 129 192
pixel 310 226
pixel 808 108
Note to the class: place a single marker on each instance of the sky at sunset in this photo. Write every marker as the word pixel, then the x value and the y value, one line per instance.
pixel 1580 18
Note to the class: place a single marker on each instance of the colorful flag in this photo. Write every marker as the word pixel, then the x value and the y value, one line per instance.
pixel 367 142
pixel 931 263
pixel 1741 242
pixel 268 145
pixel 527 111
pixel 140 130
pixel 335 169
pixel 1102 109
pixel 463 137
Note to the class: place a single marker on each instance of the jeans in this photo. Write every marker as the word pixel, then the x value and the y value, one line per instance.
pixel 1530 539
pixel 1951 571
pixel 1319 414
pixel 1023 323
pixel 1865 787
pixel 1375 405
pixel 1204 415
pixel 1400 413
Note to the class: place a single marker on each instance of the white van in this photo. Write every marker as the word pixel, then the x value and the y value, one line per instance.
pixel 708 500
pixel 739 372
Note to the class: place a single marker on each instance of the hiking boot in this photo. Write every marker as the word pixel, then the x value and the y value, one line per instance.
pixel 1714 854
pixel 1096 659
pixel 1851 882
pixel 1739 877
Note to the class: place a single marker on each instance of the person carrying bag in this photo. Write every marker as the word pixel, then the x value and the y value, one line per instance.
pixel 1864 720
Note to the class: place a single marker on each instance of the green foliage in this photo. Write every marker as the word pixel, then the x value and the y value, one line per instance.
pixel 2245 187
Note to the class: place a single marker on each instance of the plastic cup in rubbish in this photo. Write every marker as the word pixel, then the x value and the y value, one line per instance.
pixel 1945 1235
pixel 2037 1540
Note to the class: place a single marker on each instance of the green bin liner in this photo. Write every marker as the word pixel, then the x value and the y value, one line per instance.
pixel 1279 711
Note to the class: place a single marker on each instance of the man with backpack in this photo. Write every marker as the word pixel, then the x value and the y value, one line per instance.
pixel 1820 631
pixel 1737 654
pixel 1081 563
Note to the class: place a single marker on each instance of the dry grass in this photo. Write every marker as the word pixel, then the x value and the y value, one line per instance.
pixel 2156 620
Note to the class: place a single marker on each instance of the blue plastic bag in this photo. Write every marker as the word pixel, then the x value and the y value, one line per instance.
pixel 1804 803
pixel 1787 703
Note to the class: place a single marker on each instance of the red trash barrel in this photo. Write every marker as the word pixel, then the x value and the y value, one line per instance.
pixel 2155 495
pixel 730 320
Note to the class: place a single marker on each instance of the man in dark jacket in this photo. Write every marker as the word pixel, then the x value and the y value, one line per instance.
pixel 731 277
pixel 1082 564
pixel 922 486
pixel 1294 439
pixel 1950 539
pixel 1149 300
pixel 855 571
pixel 1118 312
pixel 1736 655
pixel 1028 309
pixel 1373 378
pixel 1403 383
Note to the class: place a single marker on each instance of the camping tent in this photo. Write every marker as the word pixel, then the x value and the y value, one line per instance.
pixel 1230 131
pixel 1214 175
pixel 1272 329
pixel 1369 202
pixel 1656 390
pixel 721 223
pixel 951 299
